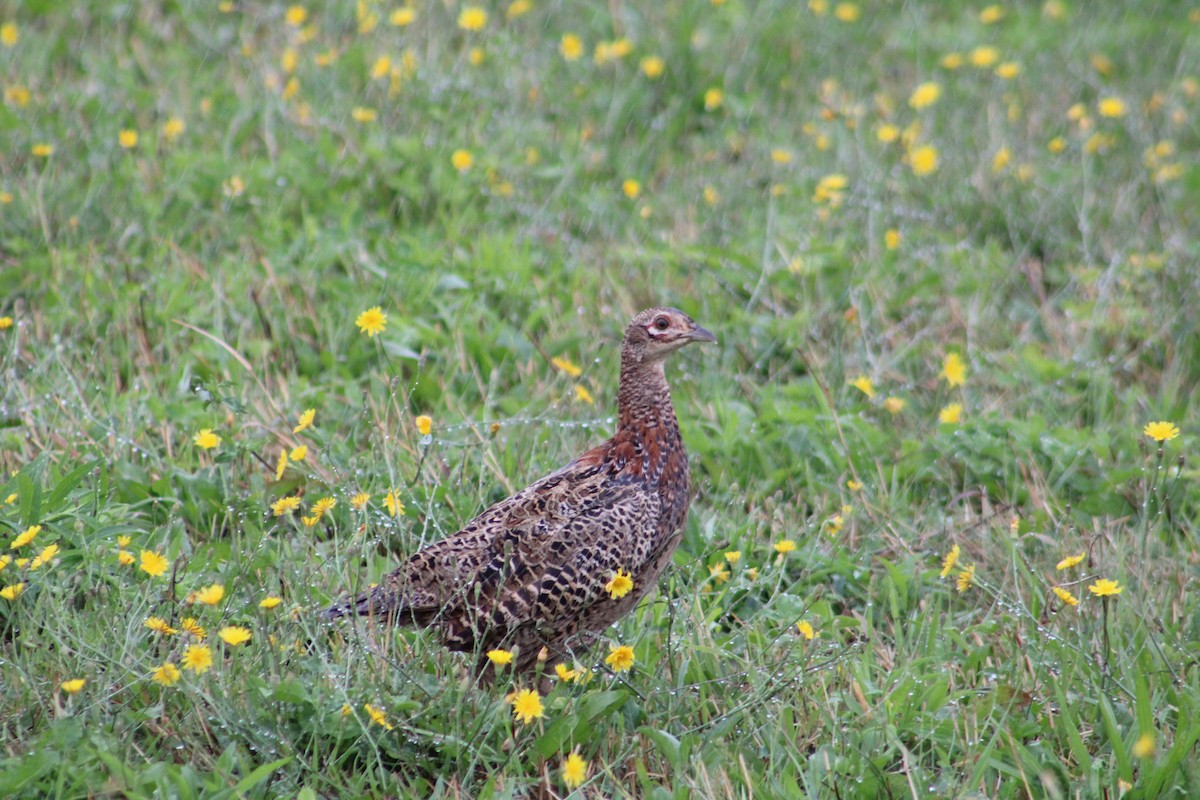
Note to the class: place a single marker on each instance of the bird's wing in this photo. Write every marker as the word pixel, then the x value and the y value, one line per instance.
pixel 545 569
pixel 544 553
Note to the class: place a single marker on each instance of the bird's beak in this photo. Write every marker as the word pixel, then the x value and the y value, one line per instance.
pixel 698 334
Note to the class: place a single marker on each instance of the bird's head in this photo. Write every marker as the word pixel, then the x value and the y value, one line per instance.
pixel 657 332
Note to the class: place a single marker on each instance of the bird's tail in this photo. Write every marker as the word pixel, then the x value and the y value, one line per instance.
pixel 382 601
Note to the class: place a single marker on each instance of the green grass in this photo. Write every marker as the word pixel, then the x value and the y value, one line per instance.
pixel 151 299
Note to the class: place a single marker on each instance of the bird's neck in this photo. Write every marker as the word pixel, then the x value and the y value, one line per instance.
pixel 644 400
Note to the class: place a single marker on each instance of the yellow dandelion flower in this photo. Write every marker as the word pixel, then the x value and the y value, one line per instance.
pixel 210 595
pixel 847 12
pixel 324 506
pixel 711 195
pixel 12 498
pixel 1057 144
pixel 950 560
pixel 784 546
pixel 42 150
pixel 567 366
pixel 403 16
pixel 924 160
pixel 1142 748
pixel 393 505
pixel 269 602
pixel 153 564
pixel 887 133
pixel 806 629
pixel 854 485
pixel 166 675
pixel 620 658
pixel 296 15
pixel 864 385
pixel 191 627
pixel 9 34
pixel 527 706
pixel 299 453
pixel 984 56
pixel 25 537
pixel 1103 587
pixel 925 95
pixel 285 505
pixel 500 657
pixel 718 572
pixel 965 579
pixel 954 371
pixel 733 556
pixel 1111 107
pixel 619 585
pixel 377 716
pixel 952 60
pixel 310 521
pixel 1158 431
pixel 281 464
pixel 198 658
pixel 1066 596
pixel 424 424
pixel 159 625
pixel 571 47
pixel 363 114
pixel 1008 70
pixel 991 14
pixel 574 770
pixel 951 414
pixel 234 635
pixel 125 558
pixel 472 18
pixel 45 557
pixel 1070 561
pixel 583 395
pixel 127 138
pixel 381 68
pixel 652 66
pixel 372 321
pixel 893 405
pixel 206 439
pixel 12 592
pixel 564 673
pixel 713 98
pixel 462 160
pixel 631 188
pixel 1001 159
pixel 891 239
pixel 518 8
pixel 360 500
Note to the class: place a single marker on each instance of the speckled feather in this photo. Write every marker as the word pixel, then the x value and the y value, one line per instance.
pixel 530 571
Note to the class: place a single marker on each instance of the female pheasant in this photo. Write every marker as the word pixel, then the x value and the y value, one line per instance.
pixel 531 571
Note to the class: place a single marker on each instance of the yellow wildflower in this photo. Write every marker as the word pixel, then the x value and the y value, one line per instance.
pixel 500 657
pixel 619 585
pixel 1070 561
pixel 25 537
pixel 564 672
pixel 159 625
pixel 206 439
pixel 127 138
pixel 620 658
pixel 950 560
pixel 269 602
pixel 1066 596
pixel 574 770
pixel 1111 107
pixel 527 706
pixel 372 321
pixel 360 500
pixel 285 505
pixel 462 160
pixel 965 578
pixel 153 564
pixel 198 658
pixel 12 592
pixel 583 395
pixel 864 385
pixel 166 675
pixel 806 629
pixel 784 546
pixel 954 370
pixel 472 18
pixel 1103 587
pixel 424 424
pixel 571 47
pixel 393 504
pixel 652 66
pixel 925 95
pixel 210 595
pixel 924 160
pixel 234 635
pixel 951 414
pixel 191 627
pixel 1158 431
pixel 377 716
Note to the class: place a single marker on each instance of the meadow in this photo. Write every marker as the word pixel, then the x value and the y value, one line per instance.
pixel 287 291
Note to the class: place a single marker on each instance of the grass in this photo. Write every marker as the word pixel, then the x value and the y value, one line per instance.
pixel 209 275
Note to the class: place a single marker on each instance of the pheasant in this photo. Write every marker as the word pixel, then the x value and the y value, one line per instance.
pixel 537 570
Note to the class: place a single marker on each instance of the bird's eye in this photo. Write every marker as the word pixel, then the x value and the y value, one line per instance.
pixel 662 323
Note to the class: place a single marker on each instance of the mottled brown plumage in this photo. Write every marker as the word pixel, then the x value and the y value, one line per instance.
pixel 530 572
